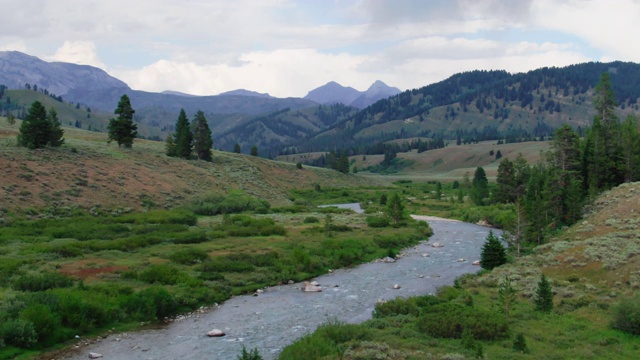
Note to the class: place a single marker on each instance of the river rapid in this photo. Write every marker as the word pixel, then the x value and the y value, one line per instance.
pixel 281 314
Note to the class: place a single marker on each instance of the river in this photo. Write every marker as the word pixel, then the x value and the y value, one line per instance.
pixel 280 315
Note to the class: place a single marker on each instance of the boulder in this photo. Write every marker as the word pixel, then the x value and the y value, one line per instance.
pixel 388 260
pixel 315 283
pixel 311 288
pixel 94 355
pixel 396 286
pixel 425 255
pixel 461 260
pixel 437 245
pixel 216 333
pixel 477 262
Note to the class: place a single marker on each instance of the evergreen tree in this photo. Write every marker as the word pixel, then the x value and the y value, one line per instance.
pixel 520 344
pixel 236 148
pixel 395 209
pixel 479 187
pixel 202 137
pixel 55 131
pixel 253 151
pixel 544 295
pixel 630 142
pixel 170 146
pixel 35 131
pixel 536 204
pixel 493 253
pixel 122 129
pixel 565 179
pixel 506 297
pixel 603 158
pixel 505 190
pixel 183 137
pixel 343 162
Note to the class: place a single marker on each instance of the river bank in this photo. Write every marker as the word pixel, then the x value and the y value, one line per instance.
pixel 281 314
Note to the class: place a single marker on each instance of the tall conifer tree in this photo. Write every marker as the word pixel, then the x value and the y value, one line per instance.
pixel 122 129
pixel 202 141
pixel 183 138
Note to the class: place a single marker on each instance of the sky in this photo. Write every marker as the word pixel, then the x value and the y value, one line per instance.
pixel 287 48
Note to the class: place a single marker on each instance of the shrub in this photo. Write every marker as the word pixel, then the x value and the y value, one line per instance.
pixel 224 264
pixel 311 220
pixel 154 302
pixel 19 333
pixel 191 237
pixel 41 282
pixel 162 274
pixel 45 322
pixel 189 256
pixel 520 344
pixel 377 221
pixel 235 202
pixel 399 306
pixel 253 354
pixel 449 320
pixel 627 315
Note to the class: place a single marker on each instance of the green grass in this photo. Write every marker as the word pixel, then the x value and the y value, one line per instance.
pixel 81 273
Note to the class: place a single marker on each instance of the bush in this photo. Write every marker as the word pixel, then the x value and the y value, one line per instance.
pixel 162 274
pixel 254 354
pixel 41 282
pixel 224 264
pixel 235 202
pixel 152 303
pixel 311 220
pixel 449 320
pixel 189 256
pixel 45 322
pixel 627 315
pixel 191 237
pixel 399 306
pixel 377 221
pixel 19 333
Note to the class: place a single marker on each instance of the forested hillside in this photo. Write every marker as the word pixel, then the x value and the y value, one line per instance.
pixel 483 105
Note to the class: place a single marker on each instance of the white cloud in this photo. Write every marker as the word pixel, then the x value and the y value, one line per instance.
pixel 610 26
pixel 78 52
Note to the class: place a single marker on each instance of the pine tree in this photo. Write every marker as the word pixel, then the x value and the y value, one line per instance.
pixel 506 297
pixel 170 146
pixel 395 209
pixel 493 253
pixel 55 132
pixel 183 137
pixel 630 148
pixel 479 187
pixel 544 295
pixel 253 151
pixel 520 344
pixel 236 148
pixel 505 183
pixel 202 137
pixel 35 130
pixel 122 129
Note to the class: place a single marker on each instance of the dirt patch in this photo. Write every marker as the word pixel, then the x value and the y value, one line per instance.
pixel 90 269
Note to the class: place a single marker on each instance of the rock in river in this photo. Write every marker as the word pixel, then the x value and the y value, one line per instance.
pixel 216 333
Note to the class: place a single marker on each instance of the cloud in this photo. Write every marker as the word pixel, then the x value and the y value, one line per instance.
pixel 609 26
pixel 78 52
pixel 281 73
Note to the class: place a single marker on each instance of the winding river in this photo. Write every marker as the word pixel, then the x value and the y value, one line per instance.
pixel 281 314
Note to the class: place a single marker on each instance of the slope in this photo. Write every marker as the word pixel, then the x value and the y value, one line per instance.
pixel 88 172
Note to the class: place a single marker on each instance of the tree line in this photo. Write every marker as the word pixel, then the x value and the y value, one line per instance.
pixel 551 193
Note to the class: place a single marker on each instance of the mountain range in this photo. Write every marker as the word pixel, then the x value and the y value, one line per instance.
pixel 467 107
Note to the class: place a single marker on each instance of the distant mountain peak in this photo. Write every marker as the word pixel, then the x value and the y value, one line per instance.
pixel 243 92
pixel 178 93
pixel 332 93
